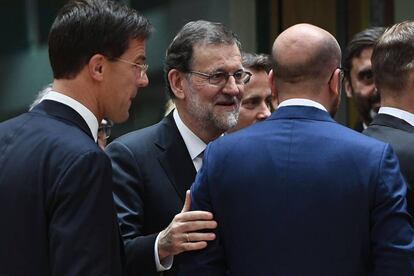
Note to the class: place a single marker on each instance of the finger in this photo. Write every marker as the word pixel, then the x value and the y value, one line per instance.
pixel 194 226
pixel 190 246
pixel 196 237
pixel 187 202
pixel 193 215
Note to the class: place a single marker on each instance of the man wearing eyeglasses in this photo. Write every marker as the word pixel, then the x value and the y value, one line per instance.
pixel 314 197
pixel 154 167
pixel 55 182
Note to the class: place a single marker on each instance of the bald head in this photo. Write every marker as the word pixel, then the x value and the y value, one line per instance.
pixel 305 54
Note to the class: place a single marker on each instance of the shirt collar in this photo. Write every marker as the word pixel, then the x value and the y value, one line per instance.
pixel 399 113
pixel 83 111
pixel 302 102
pixel 194 145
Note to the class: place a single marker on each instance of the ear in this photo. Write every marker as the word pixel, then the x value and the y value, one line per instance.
pixel 176 79
pixel 334 84
pixel 275 100
pixel 96 66
pixel 348 88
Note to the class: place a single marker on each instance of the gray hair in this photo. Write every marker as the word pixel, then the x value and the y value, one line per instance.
pixel 258 62
pixel 180 52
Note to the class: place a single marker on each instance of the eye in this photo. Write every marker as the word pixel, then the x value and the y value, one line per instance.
pixel 238 75
pixel 217 77
pixel 366 76
pixel 251 103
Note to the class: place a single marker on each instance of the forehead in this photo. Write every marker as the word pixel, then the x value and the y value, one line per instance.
pixel 258 84
pixel 135 50
pixel 216 56
pixel 363 60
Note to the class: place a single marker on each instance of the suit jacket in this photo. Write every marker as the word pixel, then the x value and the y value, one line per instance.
pixel 359 126
pixel 152 170
pixel 299 194
pixel 400 135
pixel 55 197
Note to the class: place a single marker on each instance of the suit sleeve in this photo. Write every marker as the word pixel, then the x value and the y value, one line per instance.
pixel 129 202
pixel 83 232
pixel 392 233
pixel 209 261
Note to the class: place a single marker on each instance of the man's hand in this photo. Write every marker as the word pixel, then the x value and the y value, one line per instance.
pixel 181 235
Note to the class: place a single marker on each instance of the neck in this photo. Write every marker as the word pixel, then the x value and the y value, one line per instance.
pixel 404 101
pixel 79 91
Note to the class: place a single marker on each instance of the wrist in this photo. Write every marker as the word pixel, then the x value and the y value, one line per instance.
pixel 162 251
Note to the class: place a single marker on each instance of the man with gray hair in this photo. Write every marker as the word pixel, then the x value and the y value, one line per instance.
pixel 154 167
pixel 393 65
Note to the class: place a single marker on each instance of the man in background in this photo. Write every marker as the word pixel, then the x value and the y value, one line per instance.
pixel 55 183
pixel 359 81
pixel 392 62
pixel 256 103
pixel 313 197
pixel 154 167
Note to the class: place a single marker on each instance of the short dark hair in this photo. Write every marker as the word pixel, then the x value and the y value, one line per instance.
pixel 362 40
pixel 84 28
pixel 180 52
pixel 393 57
pixel 258 62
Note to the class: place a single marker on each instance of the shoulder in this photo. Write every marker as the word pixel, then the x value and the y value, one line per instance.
pixel 145 140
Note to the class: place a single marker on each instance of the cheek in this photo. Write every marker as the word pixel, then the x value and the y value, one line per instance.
pixel 366 90
pixel 246 113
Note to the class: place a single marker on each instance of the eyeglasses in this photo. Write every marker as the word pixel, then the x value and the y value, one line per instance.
pixel 141 68
pixel 220 78
pixel 341 74
pixel 105 128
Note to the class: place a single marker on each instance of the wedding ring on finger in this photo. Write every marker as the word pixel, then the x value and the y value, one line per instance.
pixel 188 238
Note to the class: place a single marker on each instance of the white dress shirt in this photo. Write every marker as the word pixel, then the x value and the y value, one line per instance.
pixel 302 102
pixel 399 113
pixel 194 144
pixel 195 147
pixel 83 111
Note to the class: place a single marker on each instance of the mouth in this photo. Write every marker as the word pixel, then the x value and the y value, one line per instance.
pixel 228 103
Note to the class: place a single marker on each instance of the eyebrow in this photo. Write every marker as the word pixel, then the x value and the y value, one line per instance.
pixel 365 71
pixel 252 98
pixel 140 58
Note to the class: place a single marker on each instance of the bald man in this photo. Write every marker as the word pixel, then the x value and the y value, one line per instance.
pixel 314 197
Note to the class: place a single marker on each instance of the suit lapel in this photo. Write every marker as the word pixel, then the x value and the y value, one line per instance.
pixel 62 112
pixel 392 121
pixel 174 158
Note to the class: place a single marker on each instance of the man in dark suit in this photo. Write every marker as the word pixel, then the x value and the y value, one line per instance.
pixel 359 81
pixel 154 167
pixel 393 73
pixel 55 182
pixel 299 194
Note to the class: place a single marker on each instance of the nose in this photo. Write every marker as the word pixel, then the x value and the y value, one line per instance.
pixel 143 82
pixel 231 87
pixel 263 113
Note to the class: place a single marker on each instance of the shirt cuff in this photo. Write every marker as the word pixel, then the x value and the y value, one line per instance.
pixel 167 263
